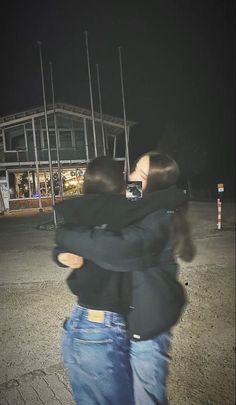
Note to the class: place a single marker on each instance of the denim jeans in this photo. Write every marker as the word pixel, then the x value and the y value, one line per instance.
pixel 96 356
pixel 149 361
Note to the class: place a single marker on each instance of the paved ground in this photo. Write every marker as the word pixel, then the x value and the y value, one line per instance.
pixel 48 387
pixel 34 301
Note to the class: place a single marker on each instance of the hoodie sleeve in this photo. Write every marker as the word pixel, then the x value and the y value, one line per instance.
pixel 55 253
pixel 133 211
pixel 125 250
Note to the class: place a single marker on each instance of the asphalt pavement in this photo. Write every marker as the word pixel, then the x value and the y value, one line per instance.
pixel 34 301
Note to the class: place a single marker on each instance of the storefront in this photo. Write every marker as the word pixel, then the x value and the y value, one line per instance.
pixel 24 157
pixel 22 183
pixel 23 191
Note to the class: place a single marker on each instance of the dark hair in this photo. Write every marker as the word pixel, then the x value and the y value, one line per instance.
pixel 103 175
pixel 184 245
pixel 163 173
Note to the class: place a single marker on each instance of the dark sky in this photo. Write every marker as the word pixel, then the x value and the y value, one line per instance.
pixel 178 61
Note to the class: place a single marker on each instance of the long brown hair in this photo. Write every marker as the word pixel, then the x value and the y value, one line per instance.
pixel 163 173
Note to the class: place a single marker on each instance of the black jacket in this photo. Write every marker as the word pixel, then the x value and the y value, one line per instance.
pixel 145 249
pixel 114 209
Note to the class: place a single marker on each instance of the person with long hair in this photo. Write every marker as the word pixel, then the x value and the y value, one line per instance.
pixel 140 251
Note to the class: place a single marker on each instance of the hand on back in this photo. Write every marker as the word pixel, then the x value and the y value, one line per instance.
pixel 71 260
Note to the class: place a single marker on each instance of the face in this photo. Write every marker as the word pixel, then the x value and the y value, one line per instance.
pixel 141 171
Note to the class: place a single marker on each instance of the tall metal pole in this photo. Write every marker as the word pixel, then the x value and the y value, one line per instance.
pixel 56 131
pixel 36 164
pixel 127 168
pixel 91 94
pixel 86 140
pixel 114 146
pixel 47 133
pixel 100 109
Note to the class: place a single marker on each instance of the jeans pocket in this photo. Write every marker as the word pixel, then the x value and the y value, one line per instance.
pixel 93 352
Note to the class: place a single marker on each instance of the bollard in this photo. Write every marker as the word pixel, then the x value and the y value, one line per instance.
pixel 220 189
pixel 219 205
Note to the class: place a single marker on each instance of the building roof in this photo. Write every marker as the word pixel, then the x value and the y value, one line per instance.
pixel 37 112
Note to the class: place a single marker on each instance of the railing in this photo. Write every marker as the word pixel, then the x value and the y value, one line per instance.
pixel 29 156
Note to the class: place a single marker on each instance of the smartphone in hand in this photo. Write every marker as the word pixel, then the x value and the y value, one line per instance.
pixel 134 190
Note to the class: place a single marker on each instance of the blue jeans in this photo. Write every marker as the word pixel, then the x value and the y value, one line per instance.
pixel 149 361
pixel 95 348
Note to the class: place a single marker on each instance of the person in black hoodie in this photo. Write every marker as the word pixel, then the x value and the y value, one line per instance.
pixel 104 211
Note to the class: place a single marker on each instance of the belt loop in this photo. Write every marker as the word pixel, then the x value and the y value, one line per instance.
pixel 108 318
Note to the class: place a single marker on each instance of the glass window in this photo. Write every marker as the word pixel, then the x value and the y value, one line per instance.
pixel 28 125
pixel 12 185
pixel 52 139
pixel 99 139
pixel 44 181
pixel 79 138
pixel 50 120
pixel 24 184
pixel 80 144
pixel 15 138
pixel 110 142
pixel 73 180
pixel 65 139
pixel 78 124
pixel 37 123
pixel 30 139
pixel 63 122
pixel 90 139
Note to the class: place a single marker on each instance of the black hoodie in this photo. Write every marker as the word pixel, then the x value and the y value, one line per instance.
pixel 96 287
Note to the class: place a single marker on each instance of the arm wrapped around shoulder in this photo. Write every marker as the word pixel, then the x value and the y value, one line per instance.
pixel 131 249
pixel 112 250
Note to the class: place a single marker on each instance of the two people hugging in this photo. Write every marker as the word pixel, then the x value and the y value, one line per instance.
pixel 124 255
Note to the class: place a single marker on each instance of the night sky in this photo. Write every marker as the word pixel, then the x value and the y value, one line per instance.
pixel 178 62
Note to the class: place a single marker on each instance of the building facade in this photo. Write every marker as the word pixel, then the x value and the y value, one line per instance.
pixel 74 140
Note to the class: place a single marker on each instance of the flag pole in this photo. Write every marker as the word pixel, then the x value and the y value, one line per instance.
pixel 100 109
pixel 91 94
pixel 36 164
pixel 47 133
pixel 56 131
pixel 127 164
